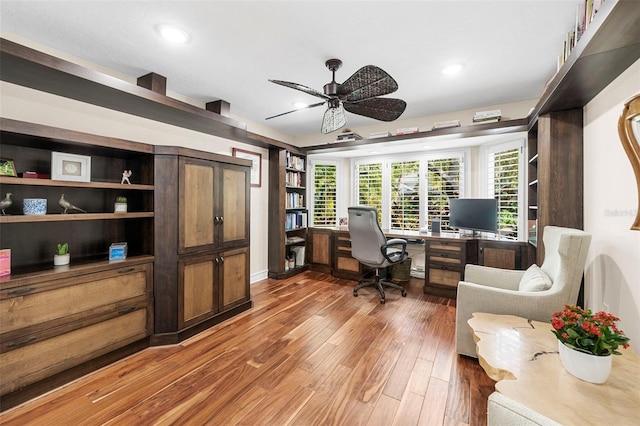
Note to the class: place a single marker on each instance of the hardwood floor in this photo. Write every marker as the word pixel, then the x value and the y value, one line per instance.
pixel 308 353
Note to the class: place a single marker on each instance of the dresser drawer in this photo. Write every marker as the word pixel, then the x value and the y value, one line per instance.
pixel 444 276
pixel 69 299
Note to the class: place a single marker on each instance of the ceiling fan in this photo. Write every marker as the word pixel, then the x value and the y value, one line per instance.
pixel 358 95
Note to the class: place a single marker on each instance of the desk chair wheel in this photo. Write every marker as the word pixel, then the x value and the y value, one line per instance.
pixel 382 300
pixel 404 293
pixel 355 293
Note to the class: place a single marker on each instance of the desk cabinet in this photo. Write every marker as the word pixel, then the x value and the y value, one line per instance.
pixel 445 261
pixel 345 265
pixel 504 254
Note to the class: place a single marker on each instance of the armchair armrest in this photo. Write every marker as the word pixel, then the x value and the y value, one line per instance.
pixel 395 249
pixel 493 277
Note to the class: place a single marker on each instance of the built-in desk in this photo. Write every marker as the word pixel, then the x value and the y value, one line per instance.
pixel 446 255
pixel 522 356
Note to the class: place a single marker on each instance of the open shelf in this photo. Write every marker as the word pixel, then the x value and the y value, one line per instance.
pixel 60 183
pixel 72 217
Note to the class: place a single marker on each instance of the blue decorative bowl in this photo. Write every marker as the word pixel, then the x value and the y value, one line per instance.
pixel 34 206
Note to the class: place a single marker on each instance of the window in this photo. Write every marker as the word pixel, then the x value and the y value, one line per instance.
pixel 405 195
pixel 324 194
pixel 444 181
pixel 369 181
pixel 504 182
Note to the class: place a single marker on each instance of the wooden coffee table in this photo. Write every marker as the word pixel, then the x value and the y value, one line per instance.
pixel 522 356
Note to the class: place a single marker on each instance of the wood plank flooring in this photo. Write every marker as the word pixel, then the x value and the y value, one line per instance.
pixel 307 353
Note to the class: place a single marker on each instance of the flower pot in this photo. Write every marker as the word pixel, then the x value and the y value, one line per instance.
pixel 584 366
pixel 61 259
pixel 120 208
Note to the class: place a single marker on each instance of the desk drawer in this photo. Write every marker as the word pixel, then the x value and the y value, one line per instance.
pixel 444 276
pixel 445 258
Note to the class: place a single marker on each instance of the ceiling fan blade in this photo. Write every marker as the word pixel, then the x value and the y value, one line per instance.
pixel 383 109
pixel 289 112
pixel 368 82
pixel 334 118
pixel 300 87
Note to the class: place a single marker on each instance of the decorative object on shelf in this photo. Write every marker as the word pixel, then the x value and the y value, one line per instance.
pixel 7 167
pixel 120 205
pixel 125 177
pixel 6 202
pixel 5 262
pixel 71 167
pixel 34 206
pixel 256 166
pixel 66 205
pixel 34 175
pixel 586 342
pixel 118 251
pixel 62 255
pixel 629 131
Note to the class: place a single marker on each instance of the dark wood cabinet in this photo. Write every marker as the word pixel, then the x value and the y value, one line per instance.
pixel 344 264
pixel 445 259
pixel 504 254
pixel 320 249
pixel 287 212
pixel 202 244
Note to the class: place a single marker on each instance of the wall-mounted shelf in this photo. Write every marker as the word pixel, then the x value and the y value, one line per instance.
pixel 46 182
pixel 73 217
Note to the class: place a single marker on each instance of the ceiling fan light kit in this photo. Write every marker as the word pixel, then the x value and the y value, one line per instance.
pixel 359 94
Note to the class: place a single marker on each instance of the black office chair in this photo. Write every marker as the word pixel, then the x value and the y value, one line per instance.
pixel 370 247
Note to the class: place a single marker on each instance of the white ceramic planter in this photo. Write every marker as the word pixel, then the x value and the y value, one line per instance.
pixel 587 367
pixel 61 259
pixel 120 208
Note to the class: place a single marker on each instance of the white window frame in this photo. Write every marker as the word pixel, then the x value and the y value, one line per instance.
pixel 483 175
pixel 312 190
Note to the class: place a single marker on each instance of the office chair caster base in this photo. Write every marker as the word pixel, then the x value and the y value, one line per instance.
pixel 382 301
pixel 355 293
pixel 404 293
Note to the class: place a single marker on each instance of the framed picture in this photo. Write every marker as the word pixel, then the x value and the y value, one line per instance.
pixel 70 167
pixel 256 168
pixel 7 167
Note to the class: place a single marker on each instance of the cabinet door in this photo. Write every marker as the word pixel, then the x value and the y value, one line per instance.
pixel 234 219
pixel 198 289
pixel 196 205
pixel 234 272
pixel 503 254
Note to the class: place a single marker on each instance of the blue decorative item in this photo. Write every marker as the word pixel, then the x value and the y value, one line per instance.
pixel 34 206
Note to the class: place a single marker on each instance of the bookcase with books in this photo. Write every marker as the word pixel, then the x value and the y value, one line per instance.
pixel 287 213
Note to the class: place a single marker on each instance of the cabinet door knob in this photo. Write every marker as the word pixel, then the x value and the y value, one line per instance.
pixel 216 220
pixel 221 219
pixel 221 258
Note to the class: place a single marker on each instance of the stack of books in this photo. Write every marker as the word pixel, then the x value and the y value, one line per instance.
pixel 379 135
pixel 406 131
pixel 492 116
pixel 348 136
pixel 446 124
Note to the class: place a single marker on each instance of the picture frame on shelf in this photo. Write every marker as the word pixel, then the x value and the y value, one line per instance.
pixel 71 167
pixel 7 167
pixel 256 167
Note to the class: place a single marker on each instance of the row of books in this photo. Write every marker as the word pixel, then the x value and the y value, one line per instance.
pixel 491 116
pixel 585 13
pixel 348 136
pixel 294 179
pixel 294 200
pixel 294 162
pixel 295 220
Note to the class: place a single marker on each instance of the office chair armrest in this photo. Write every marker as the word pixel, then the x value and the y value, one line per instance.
pixel 394 243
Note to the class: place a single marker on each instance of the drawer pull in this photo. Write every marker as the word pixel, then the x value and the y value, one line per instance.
pixel 127 310
pixel 21 291
pixel 26 341
pixel 125 270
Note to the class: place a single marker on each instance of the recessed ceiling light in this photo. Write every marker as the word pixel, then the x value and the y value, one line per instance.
pixel 173 34
pixel 452 69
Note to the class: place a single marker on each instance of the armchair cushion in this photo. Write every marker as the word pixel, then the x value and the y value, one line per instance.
pixel 534 279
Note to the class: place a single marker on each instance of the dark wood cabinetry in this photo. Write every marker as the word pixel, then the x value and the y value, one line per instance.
pixel 287 212
pixel 504 254
pixel 61 322
pixel 445 259
pixel 202 244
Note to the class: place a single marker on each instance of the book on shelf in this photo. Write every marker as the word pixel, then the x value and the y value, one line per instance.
pixel 348 136
pixel 406 131
pixel 487 120
pixel 446 124
pixel 294 240
pixel 487 114
pixel 379 135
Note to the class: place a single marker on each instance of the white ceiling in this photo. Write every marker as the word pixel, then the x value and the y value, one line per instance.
pixel 508 48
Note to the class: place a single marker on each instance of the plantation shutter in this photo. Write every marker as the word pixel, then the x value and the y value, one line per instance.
pixel 444 181
pixel 370 186
pixel 503 184
pixel 405 195
pixel 324 199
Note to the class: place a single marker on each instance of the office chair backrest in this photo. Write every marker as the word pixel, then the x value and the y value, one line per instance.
pixel 366 236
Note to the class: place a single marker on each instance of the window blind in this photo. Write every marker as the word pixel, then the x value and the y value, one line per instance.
pixel 503 184
pixel 405 195
pixel 370 186
pixel 325 195
pixel 444 181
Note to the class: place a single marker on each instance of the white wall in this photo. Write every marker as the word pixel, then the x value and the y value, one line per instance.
pixel 612 278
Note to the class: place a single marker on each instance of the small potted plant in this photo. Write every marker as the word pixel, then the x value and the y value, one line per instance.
pixel 586 342
pixel 121 205
pixel 62 255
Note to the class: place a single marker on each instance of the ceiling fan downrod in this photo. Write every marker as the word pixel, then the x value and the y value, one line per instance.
pixel 331 89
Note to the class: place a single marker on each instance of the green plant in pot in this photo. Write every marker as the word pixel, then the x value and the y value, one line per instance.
pixel 62 255
pixel 120 205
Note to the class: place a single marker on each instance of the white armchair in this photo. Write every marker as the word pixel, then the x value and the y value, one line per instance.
pixel 524 293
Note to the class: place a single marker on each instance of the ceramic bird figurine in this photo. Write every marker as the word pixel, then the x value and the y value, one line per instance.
pixel 62 202
pixel 6 202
